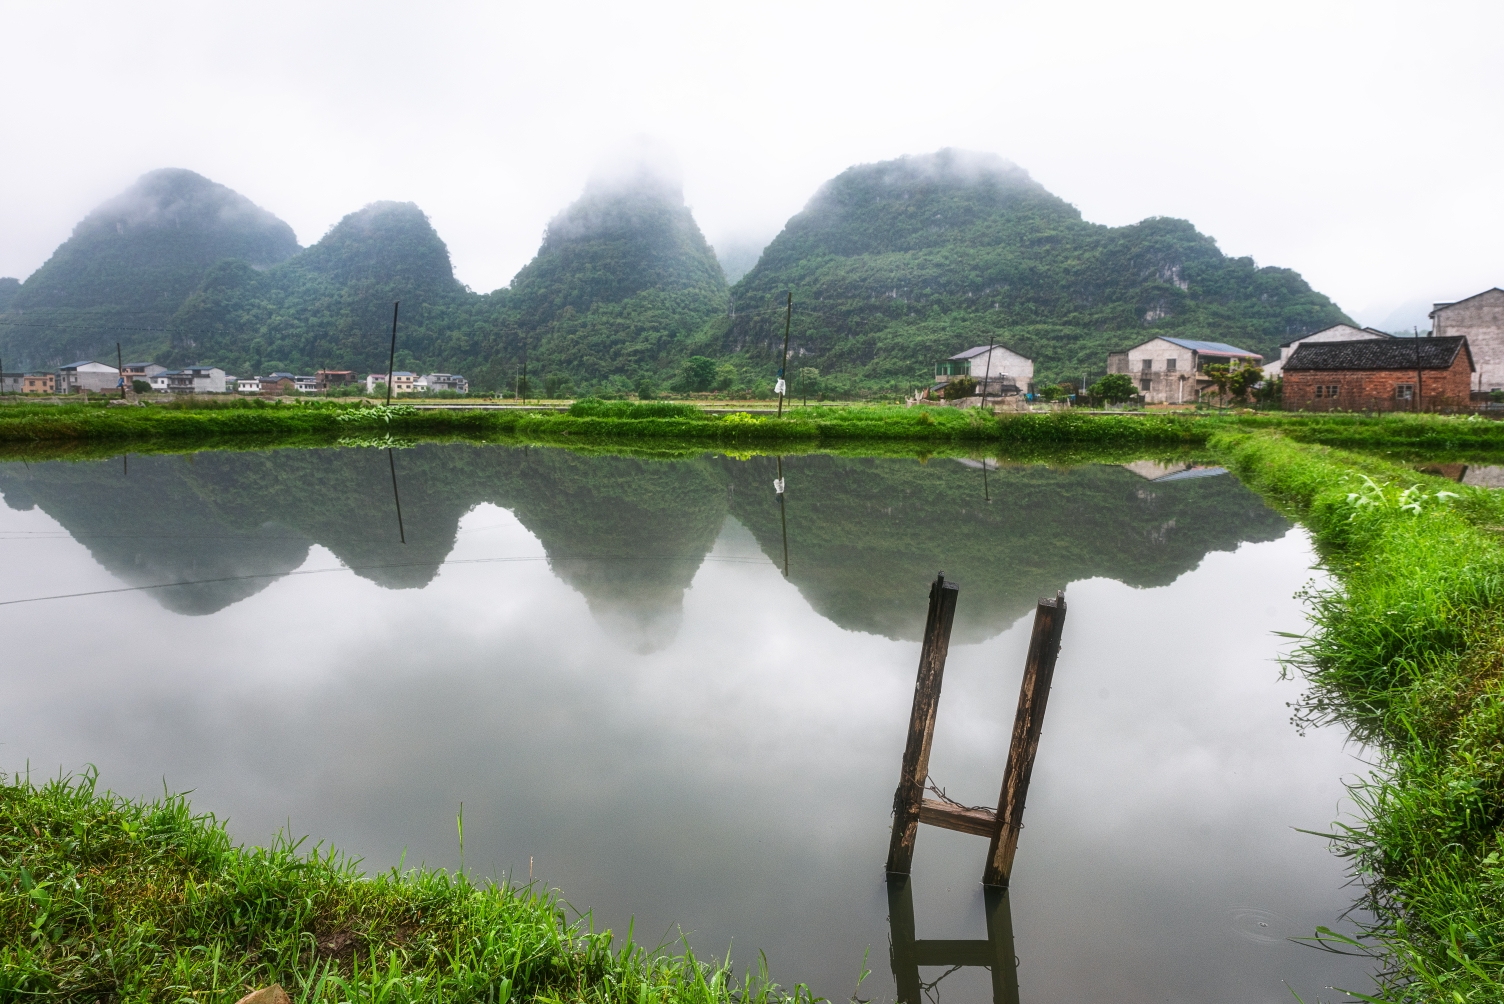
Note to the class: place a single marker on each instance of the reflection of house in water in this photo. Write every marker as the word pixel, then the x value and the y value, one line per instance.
pixel 1153 470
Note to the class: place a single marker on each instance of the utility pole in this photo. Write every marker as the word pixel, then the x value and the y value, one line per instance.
pixel 782 387
pixel 391 361
pixel 991 341
pixel 1416 329
pixel 120 368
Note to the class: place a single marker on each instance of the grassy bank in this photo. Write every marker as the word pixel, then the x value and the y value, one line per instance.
pixel 103 899
pixel 1407 652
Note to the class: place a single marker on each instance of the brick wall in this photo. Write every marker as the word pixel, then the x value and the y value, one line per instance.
pixel 1374 390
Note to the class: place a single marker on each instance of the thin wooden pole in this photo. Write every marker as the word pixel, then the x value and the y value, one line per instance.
pixel 788 320
pixel 902 937
pixel 1418 376
pixel 1000 935
pixel 909 797
pixel 391 362
pixel 1028 723
pixel 120 368
pixel 783 518
pixel 992 340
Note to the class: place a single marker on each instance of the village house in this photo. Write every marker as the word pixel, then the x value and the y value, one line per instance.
pixel 191 380
pixel 1380 374
pixel 11 383
pixel 248 385
pixel 278 383
pixel 305 384
pixel 142 371
pixel 402 381
pixel 39 383
pixel 442 381
pixel 997 370
pixel 1172 370
pixel 1479 319
pixel 1336 333
pixel 325 379
pixel 87 375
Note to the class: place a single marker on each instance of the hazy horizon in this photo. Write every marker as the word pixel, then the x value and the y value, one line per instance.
pixel 1287 138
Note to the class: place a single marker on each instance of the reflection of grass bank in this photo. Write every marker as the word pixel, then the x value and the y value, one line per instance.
pixel 108 899
pixel 1408 653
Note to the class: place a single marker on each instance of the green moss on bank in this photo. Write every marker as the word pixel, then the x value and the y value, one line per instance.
pixel 102 898
pixel 1407 652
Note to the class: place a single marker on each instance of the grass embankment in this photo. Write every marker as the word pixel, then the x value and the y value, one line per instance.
pixel 103 899
pixel 1408 653
pixel 331 422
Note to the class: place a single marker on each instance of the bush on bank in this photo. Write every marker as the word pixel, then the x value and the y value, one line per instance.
pixel 105 899
pixel 1407 652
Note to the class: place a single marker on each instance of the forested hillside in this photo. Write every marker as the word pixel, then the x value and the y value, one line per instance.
pixel 331 305
pixel 129 265
pixel 897 265
pixel 893 266
pixel 623 280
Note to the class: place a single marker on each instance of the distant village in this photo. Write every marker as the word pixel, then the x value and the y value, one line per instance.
pixel 90 376
pixel 1458 366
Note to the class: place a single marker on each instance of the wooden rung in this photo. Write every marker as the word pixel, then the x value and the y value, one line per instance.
pixel 978 822
pixel 955 953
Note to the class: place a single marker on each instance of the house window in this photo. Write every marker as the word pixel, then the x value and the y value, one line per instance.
pixel 1143 385
pixel 1331 390
pixel 1404 391
pixel 1169 366
pixel 1148 365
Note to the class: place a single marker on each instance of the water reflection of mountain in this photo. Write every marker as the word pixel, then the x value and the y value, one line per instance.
pixel 865 536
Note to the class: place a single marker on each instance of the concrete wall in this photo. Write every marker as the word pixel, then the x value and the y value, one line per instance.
pixel 1165 373
pixel 1481 319
pixel 1374 390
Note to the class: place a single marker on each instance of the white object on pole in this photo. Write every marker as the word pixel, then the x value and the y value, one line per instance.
pixel 778 486
pixel 780 388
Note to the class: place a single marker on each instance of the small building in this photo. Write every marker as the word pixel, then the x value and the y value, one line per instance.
pixel 441 381
pixel 1380 374
pixel 248 385
pixel 193 380
pixel 11 383
pixel 402 381
pixel 1479 319
pixel 142 371
pixel 1336 333
pixel 1173 370
pixel 279 383
pixel 997 370
pixel 334 378
pixel 305 384
pixel 87 375
pixel 39 383
pixel 159 381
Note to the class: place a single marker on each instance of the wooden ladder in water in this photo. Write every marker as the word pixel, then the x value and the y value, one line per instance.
pixel 910 807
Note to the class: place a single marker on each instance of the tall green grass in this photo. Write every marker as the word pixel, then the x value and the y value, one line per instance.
pixel 107 899
pixel 1407 652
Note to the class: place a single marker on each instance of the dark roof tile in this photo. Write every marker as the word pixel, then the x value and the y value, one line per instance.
pixel 1379 354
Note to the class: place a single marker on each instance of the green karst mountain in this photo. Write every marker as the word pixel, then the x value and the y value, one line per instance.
pixel 897 265
pixel 865 537
pixel 623 279
pixel 893 267
pixel 331 305
pixel 130 264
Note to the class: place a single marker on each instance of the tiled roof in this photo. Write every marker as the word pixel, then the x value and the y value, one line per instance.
pixel 1380 354
pixel 1210 348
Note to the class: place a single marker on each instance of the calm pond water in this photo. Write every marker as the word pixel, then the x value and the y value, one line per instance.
pixel 605 660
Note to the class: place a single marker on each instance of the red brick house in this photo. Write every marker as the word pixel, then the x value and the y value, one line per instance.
pixel 1380 374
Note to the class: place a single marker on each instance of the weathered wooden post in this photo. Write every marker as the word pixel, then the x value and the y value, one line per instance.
pixel 1028 723
pixel 909 798
pixel 908 952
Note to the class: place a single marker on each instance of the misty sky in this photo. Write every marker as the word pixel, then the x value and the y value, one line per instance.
pixel 1353 142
